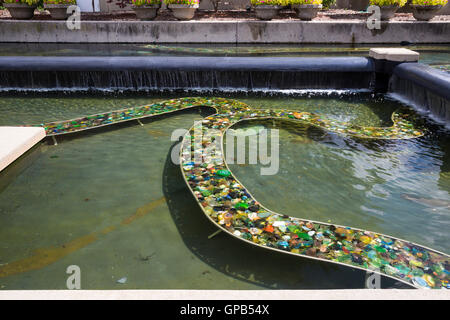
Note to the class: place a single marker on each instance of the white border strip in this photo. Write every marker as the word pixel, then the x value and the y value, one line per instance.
pixel 347 294
pixel 15 141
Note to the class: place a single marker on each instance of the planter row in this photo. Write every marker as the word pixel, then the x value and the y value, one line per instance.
pixel 420 12
pixel 59 11
pixel 304 11
pixel 186 12
pixel 309 11
pixel 25 11
pixel 180 11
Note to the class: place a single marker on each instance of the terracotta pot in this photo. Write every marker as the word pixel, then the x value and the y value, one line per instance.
pixel 20 10
pixel 425 13
pixel 146 12
pixel 266 12
pixel 306 11
pixel 183 11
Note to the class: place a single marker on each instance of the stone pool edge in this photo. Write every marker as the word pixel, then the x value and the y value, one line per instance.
pixel 15 141
pixel 236 32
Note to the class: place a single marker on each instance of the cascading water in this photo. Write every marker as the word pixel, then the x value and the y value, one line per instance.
pixel 160 73
pixel 424 88
pixel 183 79
pixel 420 98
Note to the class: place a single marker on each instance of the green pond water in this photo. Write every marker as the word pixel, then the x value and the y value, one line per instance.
pixel 112 202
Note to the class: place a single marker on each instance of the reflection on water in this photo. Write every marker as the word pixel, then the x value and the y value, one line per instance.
pixel 393 187
pixel 113 203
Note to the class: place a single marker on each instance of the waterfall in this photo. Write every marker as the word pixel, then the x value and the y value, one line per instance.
pixel 180 79
pixel 160 73
pixel 424 88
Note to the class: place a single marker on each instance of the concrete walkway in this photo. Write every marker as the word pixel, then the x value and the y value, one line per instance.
pixel 242 295
pixel 15 141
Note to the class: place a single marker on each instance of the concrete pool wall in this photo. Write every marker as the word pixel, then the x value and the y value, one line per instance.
pixel 235 32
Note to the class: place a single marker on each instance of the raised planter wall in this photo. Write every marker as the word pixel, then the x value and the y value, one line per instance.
pixel 326 32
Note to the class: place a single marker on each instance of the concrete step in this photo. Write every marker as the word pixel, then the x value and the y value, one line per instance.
pixel 15 141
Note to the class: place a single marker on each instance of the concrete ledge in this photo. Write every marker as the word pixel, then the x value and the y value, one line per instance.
pixel 394 54
pixel 278 31
pixel 110 64
pixel 15 141
pixel 185 73
pixel 348 294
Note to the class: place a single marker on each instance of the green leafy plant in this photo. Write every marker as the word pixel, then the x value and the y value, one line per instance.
pixel 140 3
pixel 67 2
pixel 269 2
pixel 187 2
pixel 300 2
pixel 328 3
pixel 429 2
pixel 385 3
pixel 28 2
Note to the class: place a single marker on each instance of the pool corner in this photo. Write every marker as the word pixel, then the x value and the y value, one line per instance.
pixel 15 141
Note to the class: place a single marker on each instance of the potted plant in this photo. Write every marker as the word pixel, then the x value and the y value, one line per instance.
pixel 58 8
pixel 182 9
pixel 388 7
pixel 267 9
pixel 146 9
pixel 21 9
pixel 425 10
pixel 306 9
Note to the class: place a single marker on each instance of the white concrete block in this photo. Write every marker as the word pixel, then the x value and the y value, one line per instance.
pixel 15 141
pixel 394 54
